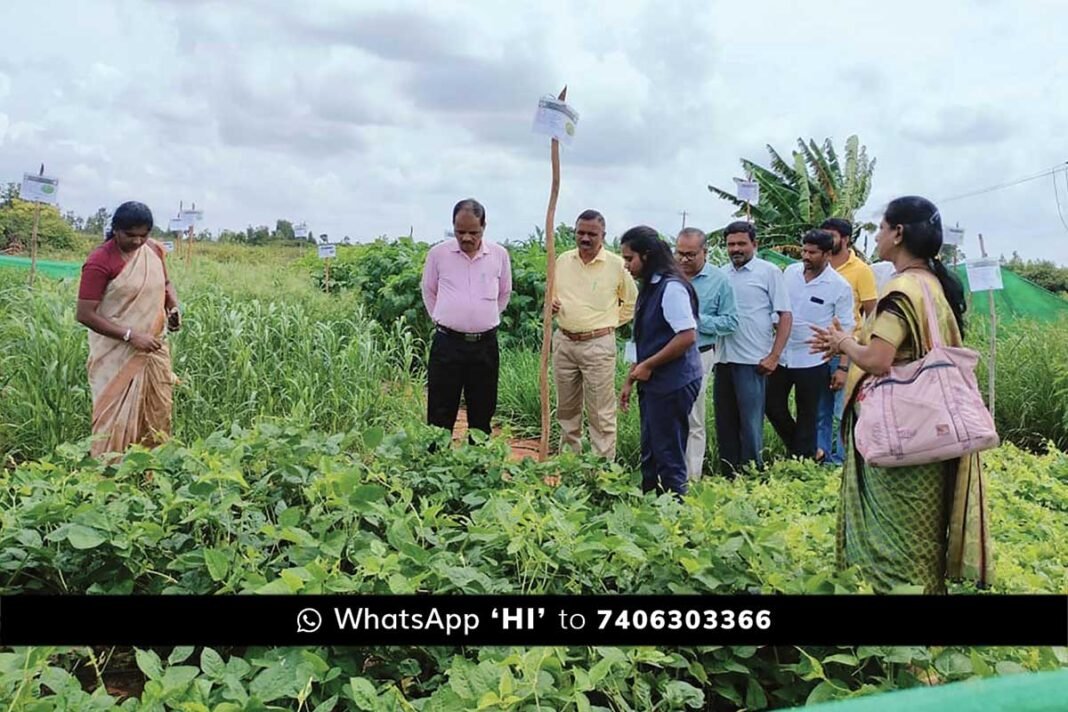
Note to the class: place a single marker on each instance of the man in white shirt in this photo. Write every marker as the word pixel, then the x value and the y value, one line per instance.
pixel 746 357
pixel 818 294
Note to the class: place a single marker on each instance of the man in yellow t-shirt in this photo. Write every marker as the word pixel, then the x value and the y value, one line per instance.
pixel 865 293
pixel 593 294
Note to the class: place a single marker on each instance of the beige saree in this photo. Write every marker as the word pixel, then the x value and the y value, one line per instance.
pixel 132 390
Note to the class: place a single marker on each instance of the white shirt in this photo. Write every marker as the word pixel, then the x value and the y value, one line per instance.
pixel 883 272
pixel 675 305
pixel 815 303
pixel 760 293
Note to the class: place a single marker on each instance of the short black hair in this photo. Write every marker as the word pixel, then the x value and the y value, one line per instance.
pixel 591 215
pixel 840 225
pixel 823 239
pixel 472 206
pixel 741 226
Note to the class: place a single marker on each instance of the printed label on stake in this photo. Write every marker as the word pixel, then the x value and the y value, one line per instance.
pixel 327 251
pixel 984 274
pixel 39 189
pixel 748 191
pixel 177 225
pixel 301 231
pixel 168 245
pixel 555 118
pixel 953 236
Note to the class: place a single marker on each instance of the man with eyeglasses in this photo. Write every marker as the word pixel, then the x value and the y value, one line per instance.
pixel 717 316
pixel 593 295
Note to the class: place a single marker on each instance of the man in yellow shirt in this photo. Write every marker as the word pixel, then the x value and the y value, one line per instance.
pixel 594 294
pixel 865 293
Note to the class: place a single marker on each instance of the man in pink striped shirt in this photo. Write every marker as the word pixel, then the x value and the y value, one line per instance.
pixel 466 286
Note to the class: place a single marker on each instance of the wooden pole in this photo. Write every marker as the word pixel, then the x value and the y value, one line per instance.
pixel 33 235
pixel 993 333
pixel 550 282
pixel 326 274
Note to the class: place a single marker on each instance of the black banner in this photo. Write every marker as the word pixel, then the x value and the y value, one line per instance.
pixel 534 620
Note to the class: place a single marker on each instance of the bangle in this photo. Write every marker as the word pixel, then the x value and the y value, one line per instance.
pixel 126 336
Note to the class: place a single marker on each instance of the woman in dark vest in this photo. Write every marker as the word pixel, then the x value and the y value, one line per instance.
pixel 668 368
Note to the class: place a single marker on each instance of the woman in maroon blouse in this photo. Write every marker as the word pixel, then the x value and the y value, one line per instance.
pixel 126 300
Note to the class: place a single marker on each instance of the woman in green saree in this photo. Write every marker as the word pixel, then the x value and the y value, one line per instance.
pixel 922 524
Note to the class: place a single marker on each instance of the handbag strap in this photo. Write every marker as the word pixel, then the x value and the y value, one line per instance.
pixel 932 316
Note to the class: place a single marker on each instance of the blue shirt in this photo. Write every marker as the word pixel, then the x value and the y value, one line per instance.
pixel 717 309
pixel 760 292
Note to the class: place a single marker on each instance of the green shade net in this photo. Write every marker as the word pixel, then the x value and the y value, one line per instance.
pixel 1020 299
pixel 1033 692
pixel 48 268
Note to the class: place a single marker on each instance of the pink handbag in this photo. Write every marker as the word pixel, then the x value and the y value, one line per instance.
pixel 926 411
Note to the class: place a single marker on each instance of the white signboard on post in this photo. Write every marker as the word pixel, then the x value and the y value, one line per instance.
pixel 984 274
pixel 176 225
pixel 39 189
pixel 168 245
pixel 555 118
pixel 300 232
pixel 327 251
pixel 953 236
pixel 748 191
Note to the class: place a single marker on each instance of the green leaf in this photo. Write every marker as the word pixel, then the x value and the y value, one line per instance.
pixel 1006 667
pixel 149 663
pixel 218 564
pixel 83 537
pixel 364 693
pixel 821 693
pixel 372 437
pixel 954 664
pixel 274 682
pixel 755 699
pixel 980 666
pixel 327 705
pixel 843 658
pixel 212 664
pixel 582 703
pixel 678 693
pixel 176 679
pixel 180 654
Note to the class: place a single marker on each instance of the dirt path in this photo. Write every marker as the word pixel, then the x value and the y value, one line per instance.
pixel 521 448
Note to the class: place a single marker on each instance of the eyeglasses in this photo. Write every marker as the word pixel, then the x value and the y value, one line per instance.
pixel 686 255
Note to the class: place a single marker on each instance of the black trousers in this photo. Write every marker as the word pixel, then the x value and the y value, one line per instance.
pixel 468 367
pixel 798 434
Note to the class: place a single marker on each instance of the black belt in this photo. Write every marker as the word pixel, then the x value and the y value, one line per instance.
pixel 705 349
pixel 465 336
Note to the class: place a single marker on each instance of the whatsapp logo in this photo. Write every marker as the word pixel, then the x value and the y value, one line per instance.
pixel 48 189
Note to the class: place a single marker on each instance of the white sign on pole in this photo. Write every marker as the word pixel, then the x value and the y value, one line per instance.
pixel 168 245
pixel 984 274
pixel 300 231
pixel 555 118
pixel 40 189
pixel 327 251
pixel 177 225
pixel 953 236
pixel 748 191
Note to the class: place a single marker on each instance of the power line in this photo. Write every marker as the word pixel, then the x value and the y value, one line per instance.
pixel 1000 186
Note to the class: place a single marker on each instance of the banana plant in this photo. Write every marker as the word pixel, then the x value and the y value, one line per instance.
pixel 798 195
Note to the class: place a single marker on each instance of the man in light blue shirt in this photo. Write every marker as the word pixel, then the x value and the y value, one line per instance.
pixel 717 316
pixel 818 295
pixel 745 358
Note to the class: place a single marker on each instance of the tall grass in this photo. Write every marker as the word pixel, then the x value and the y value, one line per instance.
pixel 243 353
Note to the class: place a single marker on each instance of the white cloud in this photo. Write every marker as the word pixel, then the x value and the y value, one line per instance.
pixel 367 118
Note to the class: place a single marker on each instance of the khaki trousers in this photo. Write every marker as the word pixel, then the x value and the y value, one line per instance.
pixel 585 374
pixel 695 443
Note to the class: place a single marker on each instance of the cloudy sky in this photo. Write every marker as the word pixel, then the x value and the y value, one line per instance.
pixel 367 118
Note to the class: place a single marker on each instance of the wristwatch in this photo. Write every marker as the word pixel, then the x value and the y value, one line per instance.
pixel 843 368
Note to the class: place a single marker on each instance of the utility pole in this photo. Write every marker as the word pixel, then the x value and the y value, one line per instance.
pixel 684 214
